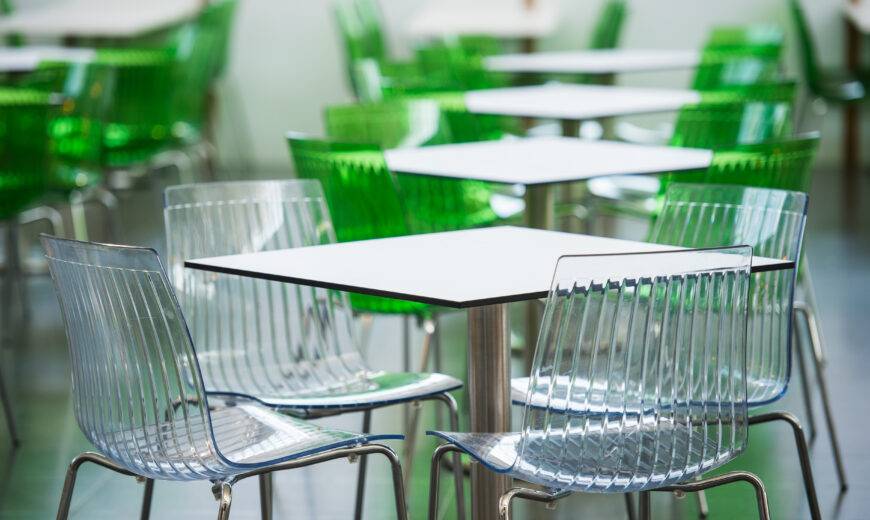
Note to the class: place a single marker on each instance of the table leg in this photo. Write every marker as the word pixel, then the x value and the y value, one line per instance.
pixel 539 215
pixel 489 392
pixel 851 130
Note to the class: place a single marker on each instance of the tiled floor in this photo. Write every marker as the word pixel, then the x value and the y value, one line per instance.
pixel 36 368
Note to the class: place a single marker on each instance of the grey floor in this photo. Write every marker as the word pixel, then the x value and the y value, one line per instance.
pixel 35 367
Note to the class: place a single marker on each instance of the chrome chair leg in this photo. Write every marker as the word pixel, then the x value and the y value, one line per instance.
pixel 363 463
pixel 803 455
pixel 435 476
pixel 8 414
pixel 645 505
pixel 629 506
pixel 703 506
pixel 266 496
pixel 338 453
pixel 72 473
pixel 504 503
pixel 797 347
pixel 48 214
pixel 414 415
pixel 822 383
pixel 458 472
pixel 147 496
pixel 223 493
pixel 721 480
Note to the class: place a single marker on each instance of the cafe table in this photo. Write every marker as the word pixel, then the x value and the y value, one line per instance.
pixel 521 20
pixel 73 19
pixel 26 59
pixel 594 61
pixel 481 271
pixel 540 163
pixel 570 103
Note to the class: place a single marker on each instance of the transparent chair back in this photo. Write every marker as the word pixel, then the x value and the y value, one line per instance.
pixel 772 222
pixel 138 391
pixel 257 337
pixel 638 376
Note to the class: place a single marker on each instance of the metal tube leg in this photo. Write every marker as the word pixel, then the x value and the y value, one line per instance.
pixel 8 414
pixel 79 217
pixel 414 418
pixel 727 478
pixel 458 473
pixel 223 492
pixel 72 472
pixel 797 347
pixel 629 506
pixel 539 215
pixel 703 507
pixel 266 496
pixel 645 506
pixel 803 455
pixel 435 476
pixel 488 387
pixel 363 463
pixel 829 420
pixel 147 496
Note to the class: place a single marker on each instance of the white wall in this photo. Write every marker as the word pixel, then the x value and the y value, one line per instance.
pixel 287 63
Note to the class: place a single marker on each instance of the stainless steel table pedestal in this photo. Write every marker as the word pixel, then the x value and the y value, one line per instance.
pixel 489 395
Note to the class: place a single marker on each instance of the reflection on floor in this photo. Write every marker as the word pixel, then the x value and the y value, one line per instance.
pixel 35 365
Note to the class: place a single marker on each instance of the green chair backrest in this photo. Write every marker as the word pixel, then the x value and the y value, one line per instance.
pixel 433 203
pixel 608 28
pixel 140 117
pixel 363 200
pixel 359 23
pixel 770 35
pixel 784 164
pixel 723 66
pixel 25 147
pixel 739 115
pixel 77 131
pixel 807 47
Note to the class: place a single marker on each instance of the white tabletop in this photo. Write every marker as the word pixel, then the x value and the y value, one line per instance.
pixel 23 59
pixel 859 14
pixel 603 61
pixel 99 18
pixel 500 18
pixel 577 102
pixel 457 269
pixel 543 160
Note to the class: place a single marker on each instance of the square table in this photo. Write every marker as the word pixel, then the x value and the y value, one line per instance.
pixel 99 18
pixel 508 19
pixel 539 163
pixel 571 103
pixel 26 59
pixel 479 270
pixel 596 61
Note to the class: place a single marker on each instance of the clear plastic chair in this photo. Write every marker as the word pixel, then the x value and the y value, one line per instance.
pixel 139 393
pixel 289 347
pixel 641 360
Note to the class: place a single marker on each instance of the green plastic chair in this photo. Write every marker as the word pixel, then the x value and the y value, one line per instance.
pixel 741 35
pixel 783 164
pixel 608 28
pixel 25 164
pixel 363 200
pixel 436 204
pixel 724 66
pixel 201 50
pixel 25 147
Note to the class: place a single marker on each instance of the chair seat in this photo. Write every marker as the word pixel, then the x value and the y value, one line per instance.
pixel 370 390
pixel 619 456
pixel 761 392
pixel 248 436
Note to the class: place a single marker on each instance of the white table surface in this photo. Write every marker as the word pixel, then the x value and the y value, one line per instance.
pixel 603 61
pixel 500 18
pixel 23 59
pixel 859 14
pixel 577 102
pixel 457 269
pixel 98 18
pixel 543 160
